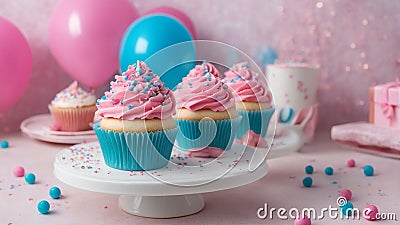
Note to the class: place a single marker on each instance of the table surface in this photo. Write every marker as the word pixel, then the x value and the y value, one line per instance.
pixel 280 188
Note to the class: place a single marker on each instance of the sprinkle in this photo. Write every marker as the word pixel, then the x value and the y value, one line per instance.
pixel 4 144
pixel 130 88
pixel 43 207
pixel 104 97
pixel 309 169
pixel 125 77
pixel 346 193
pixel 136 89
pixel 329 171
pixel 302 220
pixel 368 170
pixel 30 178
pixel 121 102
pixel 19 171
pixel 145 90
pixel 370 212
pixel 207 84
pixel 208 77
pixel 307 182
pixel 148 78
pixel 347 208
pixel 55 192
pixel 351 163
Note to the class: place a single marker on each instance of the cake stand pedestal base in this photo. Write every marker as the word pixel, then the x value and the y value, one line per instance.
pixel 161 206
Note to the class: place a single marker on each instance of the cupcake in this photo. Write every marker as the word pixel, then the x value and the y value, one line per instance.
pixel 136 131
pixel 206 113
pixel 73 109
pixel 253 101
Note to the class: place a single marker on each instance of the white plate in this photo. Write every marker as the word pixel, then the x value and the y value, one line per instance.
pixel 38 127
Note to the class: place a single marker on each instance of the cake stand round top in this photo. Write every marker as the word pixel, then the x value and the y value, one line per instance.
pixel 82 166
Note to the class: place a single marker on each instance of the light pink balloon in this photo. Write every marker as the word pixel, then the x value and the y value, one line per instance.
pixel 85 36
pixel 15 64
pixel 177 14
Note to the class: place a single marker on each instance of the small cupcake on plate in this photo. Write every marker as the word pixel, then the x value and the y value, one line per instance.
pixel 73 109
pixel 206 113
pixel 253 102
pixel 136 131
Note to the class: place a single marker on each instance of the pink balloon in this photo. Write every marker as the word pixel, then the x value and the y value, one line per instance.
pixel 85 37
pixel 15 64
pixel 179 15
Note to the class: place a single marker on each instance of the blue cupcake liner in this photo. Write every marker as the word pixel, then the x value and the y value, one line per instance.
pixel 136 151
pixel 257 121
pixel 202 133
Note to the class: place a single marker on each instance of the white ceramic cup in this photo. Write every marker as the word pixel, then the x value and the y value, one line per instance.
pixel 294 88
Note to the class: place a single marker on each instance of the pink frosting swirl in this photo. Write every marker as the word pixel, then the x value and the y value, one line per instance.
pixel 201 89
pixel 246 84
pixel 137 94
pixel 203 69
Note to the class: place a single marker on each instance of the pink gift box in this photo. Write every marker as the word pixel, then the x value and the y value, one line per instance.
pixel 385 104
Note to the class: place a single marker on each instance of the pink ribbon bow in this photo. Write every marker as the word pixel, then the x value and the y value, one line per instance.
pixel 388 110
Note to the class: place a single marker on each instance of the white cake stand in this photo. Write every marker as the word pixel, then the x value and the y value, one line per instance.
pixel 151 194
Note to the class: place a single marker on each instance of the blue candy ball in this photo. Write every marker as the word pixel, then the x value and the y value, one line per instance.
pixel 43 207
pixel 329 171
pixel 30 178
pixel 368 170
pixel 309 169
pixel 286 115
pixel 346 209
pixel 307 182
pixel 4 144
pixel 55 192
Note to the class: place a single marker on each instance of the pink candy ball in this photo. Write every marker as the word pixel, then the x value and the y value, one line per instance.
pixel 302 220
pixel 19 171
pixel 370 212
pixel 346 193
pixel 351 163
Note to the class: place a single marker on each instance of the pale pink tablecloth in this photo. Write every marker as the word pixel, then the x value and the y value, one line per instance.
pixel 280 188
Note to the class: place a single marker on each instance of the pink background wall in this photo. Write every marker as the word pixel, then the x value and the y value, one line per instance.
pixel 357 44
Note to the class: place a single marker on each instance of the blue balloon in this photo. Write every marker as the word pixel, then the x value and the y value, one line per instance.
pixel 268 56
pixel 144 39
